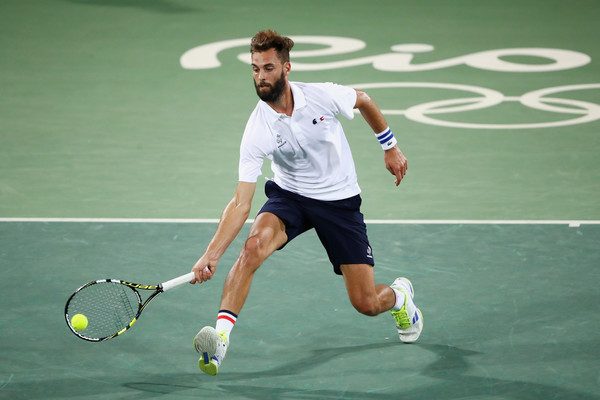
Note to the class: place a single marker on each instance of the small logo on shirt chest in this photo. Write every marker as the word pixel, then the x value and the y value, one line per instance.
pixel 279 140
pixel 316 121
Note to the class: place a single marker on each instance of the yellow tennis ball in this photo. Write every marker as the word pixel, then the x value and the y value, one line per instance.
pixel 79 322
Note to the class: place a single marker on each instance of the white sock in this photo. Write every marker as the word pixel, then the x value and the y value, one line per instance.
pixel 225 321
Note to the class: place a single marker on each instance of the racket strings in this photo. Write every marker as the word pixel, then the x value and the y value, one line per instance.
pixel 127 303
pixel 108 306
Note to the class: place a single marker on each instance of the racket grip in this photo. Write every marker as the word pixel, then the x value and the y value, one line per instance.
pixel 180 280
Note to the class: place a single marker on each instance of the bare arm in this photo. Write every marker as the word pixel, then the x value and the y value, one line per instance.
pixel 395 162
pixel 230 225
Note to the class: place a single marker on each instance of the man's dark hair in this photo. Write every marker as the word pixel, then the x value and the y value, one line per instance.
pixel 269 39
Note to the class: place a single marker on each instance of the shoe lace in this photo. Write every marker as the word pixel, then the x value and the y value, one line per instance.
pixel 402 318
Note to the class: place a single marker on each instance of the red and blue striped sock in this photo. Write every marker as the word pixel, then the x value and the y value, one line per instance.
pixel 225 321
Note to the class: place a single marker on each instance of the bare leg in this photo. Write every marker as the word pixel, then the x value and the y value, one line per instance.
pixel 367 297
pixel 266 235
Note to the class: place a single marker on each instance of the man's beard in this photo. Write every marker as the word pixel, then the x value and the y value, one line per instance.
pixel 275 92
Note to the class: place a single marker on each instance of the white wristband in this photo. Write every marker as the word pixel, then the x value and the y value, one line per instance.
pixel 386 139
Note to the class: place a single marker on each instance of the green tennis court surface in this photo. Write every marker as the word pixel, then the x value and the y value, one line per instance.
pixel 107 112
pixel 510 312
pixel 100 118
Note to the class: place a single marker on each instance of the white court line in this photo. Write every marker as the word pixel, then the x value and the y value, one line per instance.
pixel 118 220
pixel 571 223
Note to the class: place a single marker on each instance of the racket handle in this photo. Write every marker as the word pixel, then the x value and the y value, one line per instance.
pixel 180 280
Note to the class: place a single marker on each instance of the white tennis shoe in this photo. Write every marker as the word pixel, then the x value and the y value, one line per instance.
pixel 212 346
pixel 409 319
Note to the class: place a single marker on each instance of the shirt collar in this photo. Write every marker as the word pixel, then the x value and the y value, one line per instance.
pixel 299 103
pixel 299 99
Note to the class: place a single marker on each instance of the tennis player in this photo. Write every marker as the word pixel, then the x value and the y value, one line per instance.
pixel 314 185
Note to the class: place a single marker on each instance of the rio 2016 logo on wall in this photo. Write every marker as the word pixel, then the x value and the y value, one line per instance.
pixel 401 60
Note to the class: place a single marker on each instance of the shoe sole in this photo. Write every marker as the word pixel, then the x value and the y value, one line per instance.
pixel 205 343
pixel 209 369
pixel 414 336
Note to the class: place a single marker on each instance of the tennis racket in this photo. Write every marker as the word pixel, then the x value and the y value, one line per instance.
pixel 112 306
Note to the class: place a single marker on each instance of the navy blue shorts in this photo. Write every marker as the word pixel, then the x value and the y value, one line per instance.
pixel 339 224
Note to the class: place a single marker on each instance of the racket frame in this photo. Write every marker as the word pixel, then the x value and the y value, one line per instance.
pixel 133 287
pixel 161 287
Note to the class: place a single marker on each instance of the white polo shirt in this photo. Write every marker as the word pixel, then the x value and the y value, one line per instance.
pixel 309 151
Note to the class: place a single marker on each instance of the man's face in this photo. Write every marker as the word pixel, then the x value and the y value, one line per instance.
pixel 269 74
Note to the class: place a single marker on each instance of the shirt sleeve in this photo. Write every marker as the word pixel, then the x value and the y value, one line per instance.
pixel 252 154
pixel 343 99
pixel 250 166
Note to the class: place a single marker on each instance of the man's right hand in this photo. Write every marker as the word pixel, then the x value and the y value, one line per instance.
pixel 231 223
pixel 204 269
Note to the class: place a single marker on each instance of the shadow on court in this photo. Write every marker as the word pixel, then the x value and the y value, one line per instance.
pixel 452 368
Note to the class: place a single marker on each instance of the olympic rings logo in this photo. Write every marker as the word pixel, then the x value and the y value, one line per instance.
pixel 582 111
pixel 401 60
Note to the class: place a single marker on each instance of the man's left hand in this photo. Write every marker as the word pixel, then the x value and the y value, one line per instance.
pixel 396 163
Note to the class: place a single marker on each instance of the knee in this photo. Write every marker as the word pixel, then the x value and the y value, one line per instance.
pixel 366 306
pixel 253 245
pixel 253 252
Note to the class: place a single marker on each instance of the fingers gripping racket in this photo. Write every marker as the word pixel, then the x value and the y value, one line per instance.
pixel 111 306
